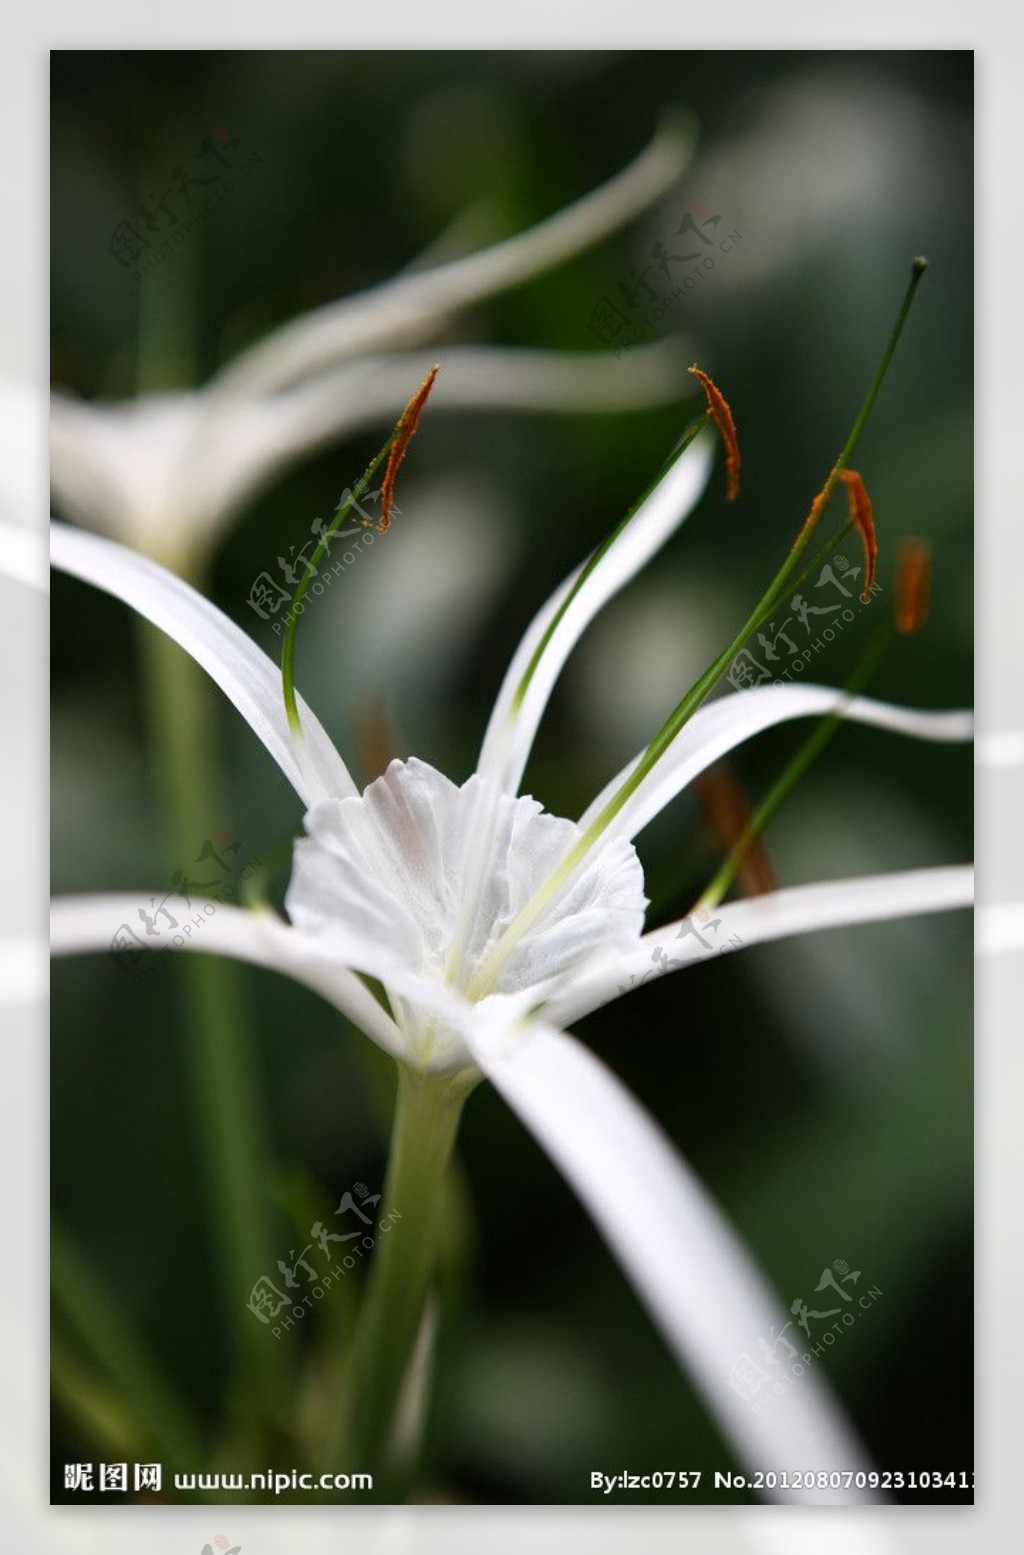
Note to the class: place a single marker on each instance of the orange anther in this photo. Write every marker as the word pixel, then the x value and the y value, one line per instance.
pixel 862 516
pixel 718 410
pixel 913 586
pixel 408 421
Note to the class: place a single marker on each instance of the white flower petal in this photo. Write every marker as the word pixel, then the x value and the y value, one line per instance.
pixel 687 1265
pixel 376 389
pixel 117 466
pixel 802 909
pixel 720 726
pixel 324 962
pixel 244 672
pixel 239 445
pixel 512 725
pixel 167 472
pixel 396 867
pixel 95 923
pixel 412 307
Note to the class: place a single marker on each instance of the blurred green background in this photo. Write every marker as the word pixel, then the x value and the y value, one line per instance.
pixel 822 1087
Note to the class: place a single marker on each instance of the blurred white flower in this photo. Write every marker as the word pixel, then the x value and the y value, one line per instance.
pixel 166 473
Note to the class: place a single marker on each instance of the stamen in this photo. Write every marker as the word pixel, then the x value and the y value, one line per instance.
pixel 862 518
pixel 404 434
pixel 719 412
pixel 913 586
pixel 728 814
pixel 400 438
pixel 702 687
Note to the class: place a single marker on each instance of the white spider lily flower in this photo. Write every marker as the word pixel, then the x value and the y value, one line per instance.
pixel 444 896
pixel 166 473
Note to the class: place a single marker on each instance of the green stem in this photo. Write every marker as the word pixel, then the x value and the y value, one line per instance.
pixel 917 270
pixel 228 1112
pixel 323 549
pixel 179 702
pixel 427 1115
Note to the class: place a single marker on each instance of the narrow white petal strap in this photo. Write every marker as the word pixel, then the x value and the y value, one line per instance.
pixel 722 725
pixel 245 674
pixel 413 306
pixel 827 904
pixel 528 684
pixel 686 1263
pixel 245 442
pixel 112 923
pixel 478 377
